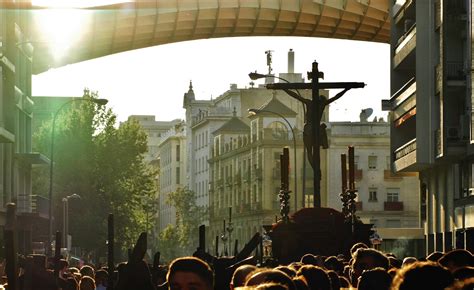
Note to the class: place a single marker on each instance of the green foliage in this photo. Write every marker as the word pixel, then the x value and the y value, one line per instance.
pixel 189 217
pixel 102 163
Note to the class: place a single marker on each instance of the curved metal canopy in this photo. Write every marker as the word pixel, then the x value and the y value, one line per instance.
pixel 144 23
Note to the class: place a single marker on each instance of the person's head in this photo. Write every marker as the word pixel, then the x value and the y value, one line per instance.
pixel 190 273
pixel 315 277
pixel 466 284
pixel 434 257
pixel 87 270
pixel 101 277
pixel 309 259
pixel 300 283
pixel 333 263
pixel 408 261
pixel 63 265
pixel 71 284
pixel 394 262
pixel 357 246
pixel 272 286
pixel 86 283
pixel 375 279
pixel 422 275
pixel 238 278
pixel 334 278
pixel 367 259
pixel 463 273
pixel 270 275
pixel 288 271
pixel 456 259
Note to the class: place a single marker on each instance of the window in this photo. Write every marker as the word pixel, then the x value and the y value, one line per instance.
pixel 178 153
pixel 393 194
pixel 372 194
pixel 356 162
pixel 279 131
pixel 372 162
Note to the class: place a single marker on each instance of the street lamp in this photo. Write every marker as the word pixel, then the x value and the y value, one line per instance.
pixel 100 102
pixel 66 216
pixel 256 111
pixel 255 76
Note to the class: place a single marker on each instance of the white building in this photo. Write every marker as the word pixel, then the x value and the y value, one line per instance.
pixel 172 164
pixel 154 129
pixel 389 201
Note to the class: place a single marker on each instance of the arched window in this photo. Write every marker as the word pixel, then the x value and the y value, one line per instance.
pixel 279 130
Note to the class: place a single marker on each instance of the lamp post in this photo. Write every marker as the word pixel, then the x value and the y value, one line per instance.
pixel 256 111
pixel 51 165
pixel 255 76
pixel 66 216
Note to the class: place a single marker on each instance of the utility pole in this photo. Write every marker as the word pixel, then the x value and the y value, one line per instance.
pixel 315 109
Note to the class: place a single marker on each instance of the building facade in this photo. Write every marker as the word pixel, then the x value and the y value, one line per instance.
pixel 431 114
pixel 154 130
pixel 233 158
pixel 387 200
pixel 172 164
pixel 16 109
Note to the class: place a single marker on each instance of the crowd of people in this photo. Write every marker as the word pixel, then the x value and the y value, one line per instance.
pixel 365 268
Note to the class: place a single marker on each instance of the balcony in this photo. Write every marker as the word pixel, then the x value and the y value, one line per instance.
pixel 220 183
pixel 228 181
pixel 455 73
pixel 40 205
pixel 256 206
pixel 404 103
pixel 393 206
pixel 405 156
pixel 238 178
pixel 405 46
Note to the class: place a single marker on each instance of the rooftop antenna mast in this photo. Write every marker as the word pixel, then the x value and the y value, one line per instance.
pixel 269 61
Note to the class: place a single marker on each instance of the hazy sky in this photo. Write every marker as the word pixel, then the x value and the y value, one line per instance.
pixel 152 81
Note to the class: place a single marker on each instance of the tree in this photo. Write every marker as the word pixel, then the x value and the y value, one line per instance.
pixel 102 163
pixel 189 217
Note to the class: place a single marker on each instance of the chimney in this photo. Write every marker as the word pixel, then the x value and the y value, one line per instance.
pixel 291 61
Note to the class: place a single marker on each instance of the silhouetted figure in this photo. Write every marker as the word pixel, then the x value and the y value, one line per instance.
pixel 434 257
pixel 367 259
pixel 300 283
pixel 422 275
pixel 456 259
pixel 86 283
pixel 375 279
pixel 190 273
pixel 308 126
pixel 463 273
pixel 316 277
pixel 334 278
pixel 270 275
pixel 238 278
pixel 408 260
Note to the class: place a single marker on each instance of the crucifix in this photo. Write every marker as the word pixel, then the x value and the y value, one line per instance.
pixel 314 131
